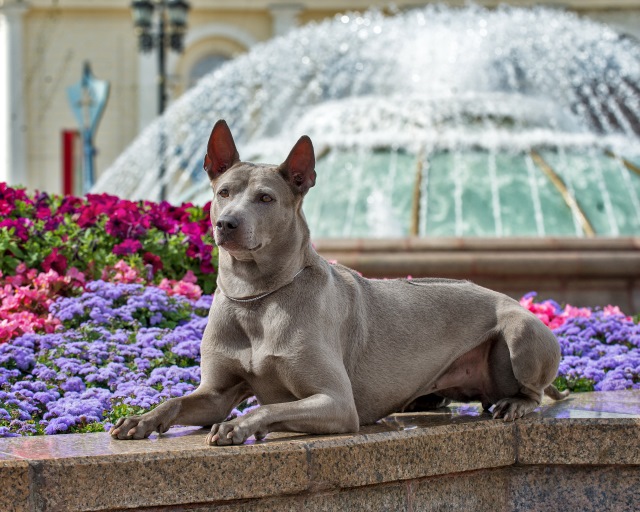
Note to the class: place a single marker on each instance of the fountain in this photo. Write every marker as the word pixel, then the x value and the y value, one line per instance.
pixel 432 122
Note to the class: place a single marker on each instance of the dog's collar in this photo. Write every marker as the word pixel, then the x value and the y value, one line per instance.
pixel 263 295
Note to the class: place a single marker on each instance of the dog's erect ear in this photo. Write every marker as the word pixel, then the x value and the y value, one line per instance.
pixel 299 167
pixel 221 151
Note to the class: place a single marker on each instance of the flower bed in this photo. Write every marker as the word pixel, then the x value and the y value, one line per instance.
pixel 92 234
pixel 50 246
pixel 600 348
pixel 122 348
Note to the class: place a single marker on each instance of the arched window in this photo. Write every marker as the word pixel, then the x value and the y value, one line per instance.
pixel 204 66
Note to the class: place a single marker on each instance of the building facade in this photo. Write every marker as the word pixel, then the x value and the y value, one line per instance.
pixel 44 44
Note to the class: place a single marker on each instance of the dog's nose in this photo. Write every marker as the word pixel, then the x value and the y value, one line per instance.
pixel 227 223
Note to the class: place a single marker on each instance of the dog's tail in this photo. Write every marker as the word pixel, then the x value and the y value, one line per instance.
pixel 552 392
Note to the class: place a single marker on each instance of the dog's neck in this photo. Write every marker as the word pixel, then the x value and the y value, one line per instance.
pixel 267 269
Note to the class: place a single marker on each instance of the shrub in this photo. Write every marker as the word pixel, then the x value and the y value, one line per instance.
pixel 47 232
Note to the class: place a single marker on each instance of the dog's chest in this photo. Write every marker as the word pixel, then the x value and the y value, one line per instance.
pixel 266 373
pixel 255 345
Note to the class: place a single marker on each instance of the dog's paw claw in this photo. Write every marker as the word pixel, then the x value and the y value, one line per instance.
pixel 227 433
pixel 510 409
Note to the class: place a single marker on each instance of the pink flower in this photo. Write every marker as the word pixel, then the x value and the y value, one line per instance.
pixel 572 312
pixel 556 322
pixel 614 310
pixel 123 274
pixel 25 302
pixel 190 277
pixel 186 289
pixel 73 274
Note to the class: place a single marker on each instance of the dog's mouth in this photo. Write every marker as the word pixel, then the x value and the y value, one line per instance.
pixel 232 246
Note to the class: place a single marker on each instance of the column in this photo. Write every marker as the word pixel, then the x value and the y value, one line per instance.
pixel 147 88
pixel 13 128
pixel 285 17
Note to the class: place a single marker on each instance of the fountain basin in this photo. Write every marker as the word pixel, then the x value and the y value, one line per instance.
pixel 583 452
pixel 581 271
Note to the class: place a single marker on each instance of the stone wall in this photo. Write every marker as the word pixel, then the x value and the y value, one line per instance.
pixel 580 454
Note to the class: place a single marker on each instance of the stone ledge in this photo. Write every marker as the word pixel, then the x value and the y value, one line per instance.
pixel 404 459
pixel 486 257
pixel 578 271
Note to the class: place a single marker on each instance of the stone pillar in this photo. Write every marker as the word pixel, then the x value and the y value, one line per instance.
pixel 285 17
pixel 13 148
pixel 147 88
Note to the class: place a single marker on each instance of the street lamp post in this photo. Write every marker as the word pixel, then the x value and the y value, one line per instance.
pixel 172 25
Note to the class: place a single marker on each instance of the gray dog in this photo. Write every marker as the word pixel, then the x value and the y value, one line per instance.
pixel 325 350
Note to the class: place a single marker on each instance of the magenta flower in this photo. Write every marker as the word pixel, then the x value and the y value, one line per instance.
pixel 154 261
pixel 192 229
pixel 21 227
pixel 109 225
pixel 55 261
pixel 5 208
pixel 129 246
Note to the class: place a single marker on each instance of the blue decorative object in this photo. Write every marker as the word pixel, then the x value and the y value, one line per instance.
pixel 87 99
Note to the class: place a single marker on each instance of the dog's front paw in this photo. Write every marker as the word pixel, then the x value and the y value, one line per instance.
pixel 136 427
pixel 510 409
pixel 233 432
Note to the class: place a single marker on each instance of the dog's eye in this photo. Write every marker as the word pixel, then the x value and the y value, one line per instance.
pixel 223 193
pixel 266 198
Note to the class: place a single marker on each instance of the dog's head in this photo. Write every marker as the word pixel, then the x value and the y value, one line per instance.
pixel 255 204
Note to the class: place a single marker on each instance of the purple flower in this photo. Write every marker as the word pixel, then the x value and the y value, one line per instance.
pixel 126 348
pixel 129 246
pixel 63 381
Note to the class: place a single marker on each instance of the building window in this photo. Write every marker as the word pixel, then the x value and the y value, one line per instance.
pixel 205 66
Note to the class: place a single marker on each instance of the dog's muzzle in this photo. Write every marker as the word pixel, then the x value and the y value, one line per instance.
pixel 226 223
pixel 228 234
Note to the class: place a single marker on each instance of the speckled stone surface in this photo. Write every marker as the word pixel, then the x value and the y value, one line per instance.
pixel 579 488
pixel 413 453
pixel 391 497
pixel 476 490
pixel 586 428
pixel 14 484
pixel 176 468
pixel 448 459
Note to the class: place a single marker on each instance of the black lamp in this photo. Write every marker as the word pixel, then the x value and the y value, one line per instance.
pixel 178 10
pixel 171 27
pixel 172 22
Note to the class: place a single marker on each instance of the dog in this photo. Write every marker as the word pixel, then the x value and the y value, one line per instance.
pixel 325 350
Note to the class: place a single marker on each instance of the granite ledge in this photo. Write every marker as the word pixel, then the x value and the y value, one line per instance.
pixel 94 472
